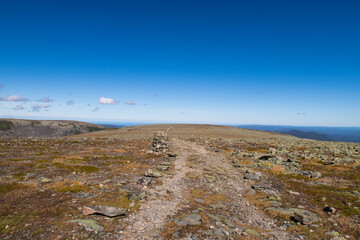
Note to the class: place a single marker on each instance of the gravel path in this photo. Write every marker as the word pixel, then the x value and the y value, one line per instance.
pixel 164 200
pixel 234 186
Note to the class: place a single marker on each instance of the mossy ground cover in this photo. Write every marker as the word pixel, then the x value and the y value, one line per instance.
pixel 45 182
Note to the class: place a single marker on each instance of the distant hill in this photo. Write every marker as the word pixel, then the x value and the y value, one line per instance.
pixel 185 131
pixel 44 128
pixel 308 135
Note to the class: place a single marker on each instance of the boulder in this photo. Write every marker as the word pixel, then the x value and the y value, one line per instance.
pixel 305 217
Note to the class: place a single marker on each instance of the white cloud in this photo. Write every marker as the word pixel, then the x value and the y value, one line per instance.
pixel 104 100
pixel 70 102
pixel 95 109
pixel 13 98
pixel 19 107
pixel 130 103
pixel 45 99
pixel 38 107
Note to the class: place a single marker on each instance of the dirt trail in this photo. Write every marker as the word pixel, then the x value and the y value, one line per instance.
pixel 165 200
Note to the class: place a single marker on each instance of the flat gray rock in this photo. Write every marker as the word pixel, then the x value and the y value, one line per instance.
pixel 190 219
pixel 104 210
pixel 299 215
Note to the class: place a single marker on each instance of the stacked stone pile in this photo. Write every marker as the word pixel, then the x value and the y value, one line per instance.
pixel 160 143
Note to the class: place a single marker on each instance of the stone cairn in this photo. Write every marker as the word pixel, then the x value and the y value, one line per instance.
pixel 160 143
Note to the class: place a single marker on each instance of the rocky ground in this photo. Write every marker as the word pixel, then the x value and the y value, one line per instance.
pixel 172 186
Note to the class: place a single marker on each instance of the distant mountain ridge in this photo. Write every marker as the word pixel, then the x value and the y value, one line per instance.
pixel 308 135
pixel 337 134
pixel 44 128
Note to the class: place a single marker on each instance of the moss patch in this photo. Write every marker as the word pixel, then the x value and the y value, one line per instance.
pixel 77 168
pixel 20 176
pixel 8 187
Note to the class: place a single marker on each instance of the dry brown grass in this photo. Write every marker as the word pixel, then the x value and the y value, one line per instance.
pixel 257 199
pixel 277 169
pixel 70 186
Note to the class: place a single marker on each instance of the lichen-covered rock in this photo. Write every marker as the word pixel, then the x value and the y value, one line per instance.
pixel 152 173
pixel 274 198
pixel 137 196
pixel 162 167
pixel 89 224
pixel 45 180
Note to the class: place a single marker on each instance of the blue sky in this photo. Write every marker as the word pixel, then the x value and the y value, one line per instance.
pixel 228 62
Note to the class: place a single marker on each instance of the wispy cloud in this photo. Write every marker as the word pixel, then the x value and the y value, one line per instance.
pixel 19 107
pixel 301 113
pixel 70 102
pixel 95 109
pixel 38 107
pixel 104 100
pixel 13 98
pixel 45 99
pixel 130 102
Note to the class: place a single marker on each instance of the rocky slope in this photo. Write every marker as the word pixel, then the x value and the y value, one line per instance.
pixel 44 128
pixel 185 182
